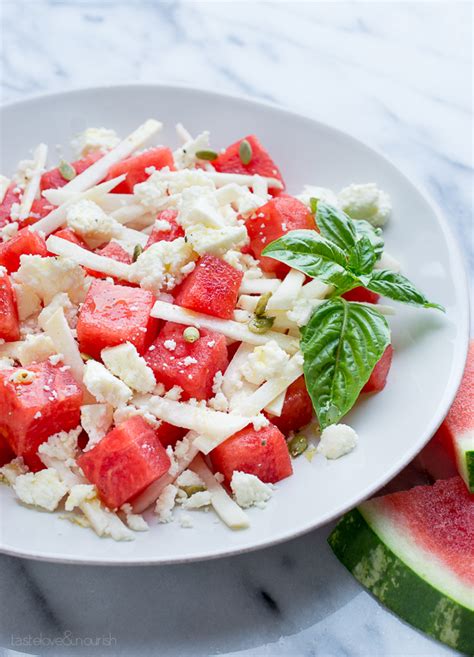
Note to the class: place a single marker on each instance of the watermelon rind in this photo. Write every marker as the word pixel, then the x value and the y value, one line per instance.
pixel 464 449
pixel 394 576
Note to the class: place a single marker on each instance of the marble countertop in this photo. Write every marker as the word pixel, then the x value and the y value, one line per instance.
pixel 397 75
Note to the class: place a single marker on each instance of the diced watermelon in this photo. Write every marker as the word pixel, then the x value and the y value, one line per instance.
pixel 25 242
pixel 261 163
pixel 160 235
pixel 31 412
pixel 53 179
pixel 190 365
pixel 457 430
pixel 114 251
pixel 378 378
pixel 168 434
pixel 70 236
pixel 9 199
pixel 39 209
pixel 9 322
pixel 127 460
pixel 6 452
pixel 361 294
pixel 414 550
pixel 271 221
pixel 263 453
pixel 113 314
pixel 211 288
pixel 135 168
pixel 297 408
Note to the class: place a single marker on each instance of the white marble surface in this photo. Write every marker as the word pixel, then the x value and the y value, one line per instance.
pixel 396 75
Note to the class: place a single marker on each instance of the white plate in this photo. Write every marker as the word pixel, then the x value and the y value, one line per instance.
pixel 430 348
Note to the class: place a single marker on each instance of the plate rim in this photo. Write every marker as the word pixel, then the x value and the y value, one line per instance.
pixel 457 266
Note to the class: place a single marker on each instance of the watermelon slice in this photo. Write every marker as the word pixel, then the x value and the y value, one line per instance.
pixel 212 288
pixel 297 408
pixel 53 179
pixel 457 430
pixel 378 378
pixel 112 314
pixel 9 321
pixel 414 550
pixel 25 242
pixel 271 221
pixel 361 294
pixel 136 167
pixel 127 460
pixel 260 163
pixel 263 453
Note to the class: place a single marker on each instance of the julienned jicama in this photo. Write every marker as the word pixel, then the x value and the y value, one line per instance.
pixel 176 327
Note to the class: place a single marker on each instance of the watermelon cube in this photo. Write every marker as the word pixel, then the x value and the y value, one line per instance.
pixel 212 288
pixel 260 163
pixel 113 314
pixel 190 365
pixel 9 322
pixel 39 209
pixel 135 168
pixel 12 196
pixel 378 378
pixel 361 294
pixel 263 453
pixel 297 409
pixel 35 403
pixel 160 235
pixel 54 179
pixel 127 460
pixel 271 221
pixel 25 242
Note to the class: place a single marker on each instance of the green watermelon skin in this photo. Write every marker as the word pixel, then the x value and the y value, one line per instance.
pixel 400 588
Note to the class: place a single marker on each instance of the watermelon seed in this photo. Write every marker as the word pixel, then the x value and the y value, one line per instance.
pixel 137 251
pixel 67 171
pixel 245 152
pixel 191 334
pixel 297 445
pixel 206 155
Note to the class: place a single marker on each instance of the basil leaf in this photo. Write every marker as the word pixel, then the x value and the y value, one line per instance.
pixel 362 256
pixel 336 226
pixel 395 286
pixel 341 345
pixel 315 256
pixel 364 229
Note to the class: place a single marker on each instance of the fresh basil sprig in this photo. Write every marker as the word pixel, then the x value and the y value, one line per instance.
pixel 341 344
pixel 343 341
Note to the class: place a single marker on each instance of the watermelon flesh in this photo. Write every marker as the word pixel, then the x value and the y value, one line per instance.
pixel 25 242
pixel 212 288
pixel 136 167
pixel 297 409
pixel 12 196
pixel 127 460
pixel 271 221
pixel 378 378
pixel 414 550
pixel 54 179
pixel 113 314
pixel 263 453
pixel 190 365
pixel 159 235
pixel 31 412
pixel 9 321
pixel 457 430
pixel 361 294
pixel 261 163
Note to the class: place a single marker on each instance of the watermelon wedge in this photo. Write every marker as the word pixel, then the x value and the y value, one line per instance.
pixel 414 550
pixel 457 430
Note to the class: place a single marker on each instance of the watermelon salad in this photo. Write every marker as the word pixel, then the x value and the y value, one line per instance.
pixel 176 327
